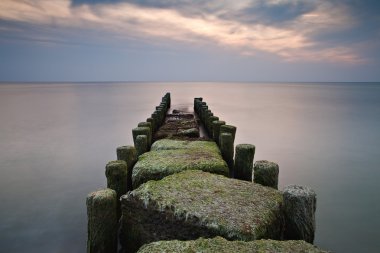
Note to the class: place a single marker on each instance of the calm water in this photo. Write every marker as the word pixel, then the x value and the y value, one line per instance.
pixel 55 140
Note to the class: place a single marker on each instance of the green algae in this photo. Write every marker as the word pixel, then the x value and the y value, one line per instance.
pixel 178 125
pixel 172 156
pixel 102 221
pixel 266 173
pixel 221 245
pixel 116 173
pixel 129 155
pixel 141 144
pixel 227 148
pixel 155 165
pixel 192 132
pixel 234 209
pixel 168 144
pixel 244 155
pixel 216 129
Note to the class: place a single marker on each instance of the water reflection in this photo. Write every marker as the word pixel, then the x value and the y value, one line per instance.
pixel 57 138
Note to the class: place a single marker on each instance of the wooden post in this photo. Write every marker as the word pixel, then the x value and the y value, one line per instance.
pixel 209 124
pixel 300 203
pixel 129 155
pixel 141 131
pixel 216 130
pixel 227 149
pixel 116 173
pixel 228 129
pixel 266 173
pixel 244 154
pixel 147 124
pixel 141 144
pixel 102 221
pixel 153 123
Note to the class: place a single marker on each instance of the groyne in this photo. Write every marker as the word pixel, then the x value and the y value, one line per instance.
pixel 177 186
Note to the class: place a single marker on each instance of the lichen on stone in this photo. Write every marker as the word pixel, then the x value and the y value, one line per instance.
pixel 168 144
pixel 221 245
pixel 171 156
pixel 234 209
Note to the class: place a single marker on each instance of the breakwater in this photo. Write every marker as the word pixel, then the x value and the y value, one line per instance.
pixel 173 184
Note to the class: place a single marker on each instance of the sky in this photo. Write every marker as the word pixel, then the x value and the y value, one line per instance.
pixel 189 40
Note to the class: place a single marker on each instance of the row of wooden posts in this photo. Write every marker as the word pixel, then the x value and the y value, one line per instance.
pixel 103 206
pixel 265 172
pixel 299 201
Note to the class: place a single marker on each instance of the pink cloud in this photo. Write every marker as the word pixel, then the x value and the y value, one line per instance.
pixel 293 41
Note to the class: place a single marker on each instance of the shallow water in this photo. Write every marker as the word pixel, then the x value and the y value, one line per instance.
pixel 55 140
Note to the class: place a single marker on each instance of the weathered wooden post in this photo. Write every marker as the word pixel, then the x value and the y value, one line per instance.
pixel 208 114
pixel 147 124
pixel 227 149
pixel 209 124
pixel 244 154
pixel 216 130
pixel 196 103
pixel 200 109
pixel 164 105
pixel 141 131
pixel 198 106
pixel 228 129
pixel 153 123
pixel 266 173
pixel 141 144
pixel 156 118
pixel 161 114
pixel 204 108
pixel 129 155
pixel 116 173
pixel 169 99
pixel 102 221
pixel 300 203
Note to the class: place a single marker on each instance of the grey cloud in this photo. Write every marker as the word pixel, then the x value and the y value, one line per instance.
pixel 245 11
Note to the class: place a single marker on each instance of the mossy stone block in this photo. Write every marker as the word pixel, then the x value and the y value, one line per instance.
pixel 172 156
pixel 194 204
pixel 192 132
pixel 168 144
pixel 221 245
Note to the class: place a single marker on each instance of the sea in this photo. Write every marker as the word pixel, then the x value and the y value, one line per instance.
pixel 56 138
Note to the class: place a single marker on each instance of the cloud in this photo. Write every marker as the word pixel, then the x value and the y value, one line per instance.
pixel 225 23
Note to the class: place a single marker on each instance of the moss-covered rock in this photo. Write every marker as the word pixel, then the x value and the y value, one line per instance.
pixel 172 156
pixel 169 144
pixel 221 245
pixel 192 132
pixel 178 125
pixel 194 204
